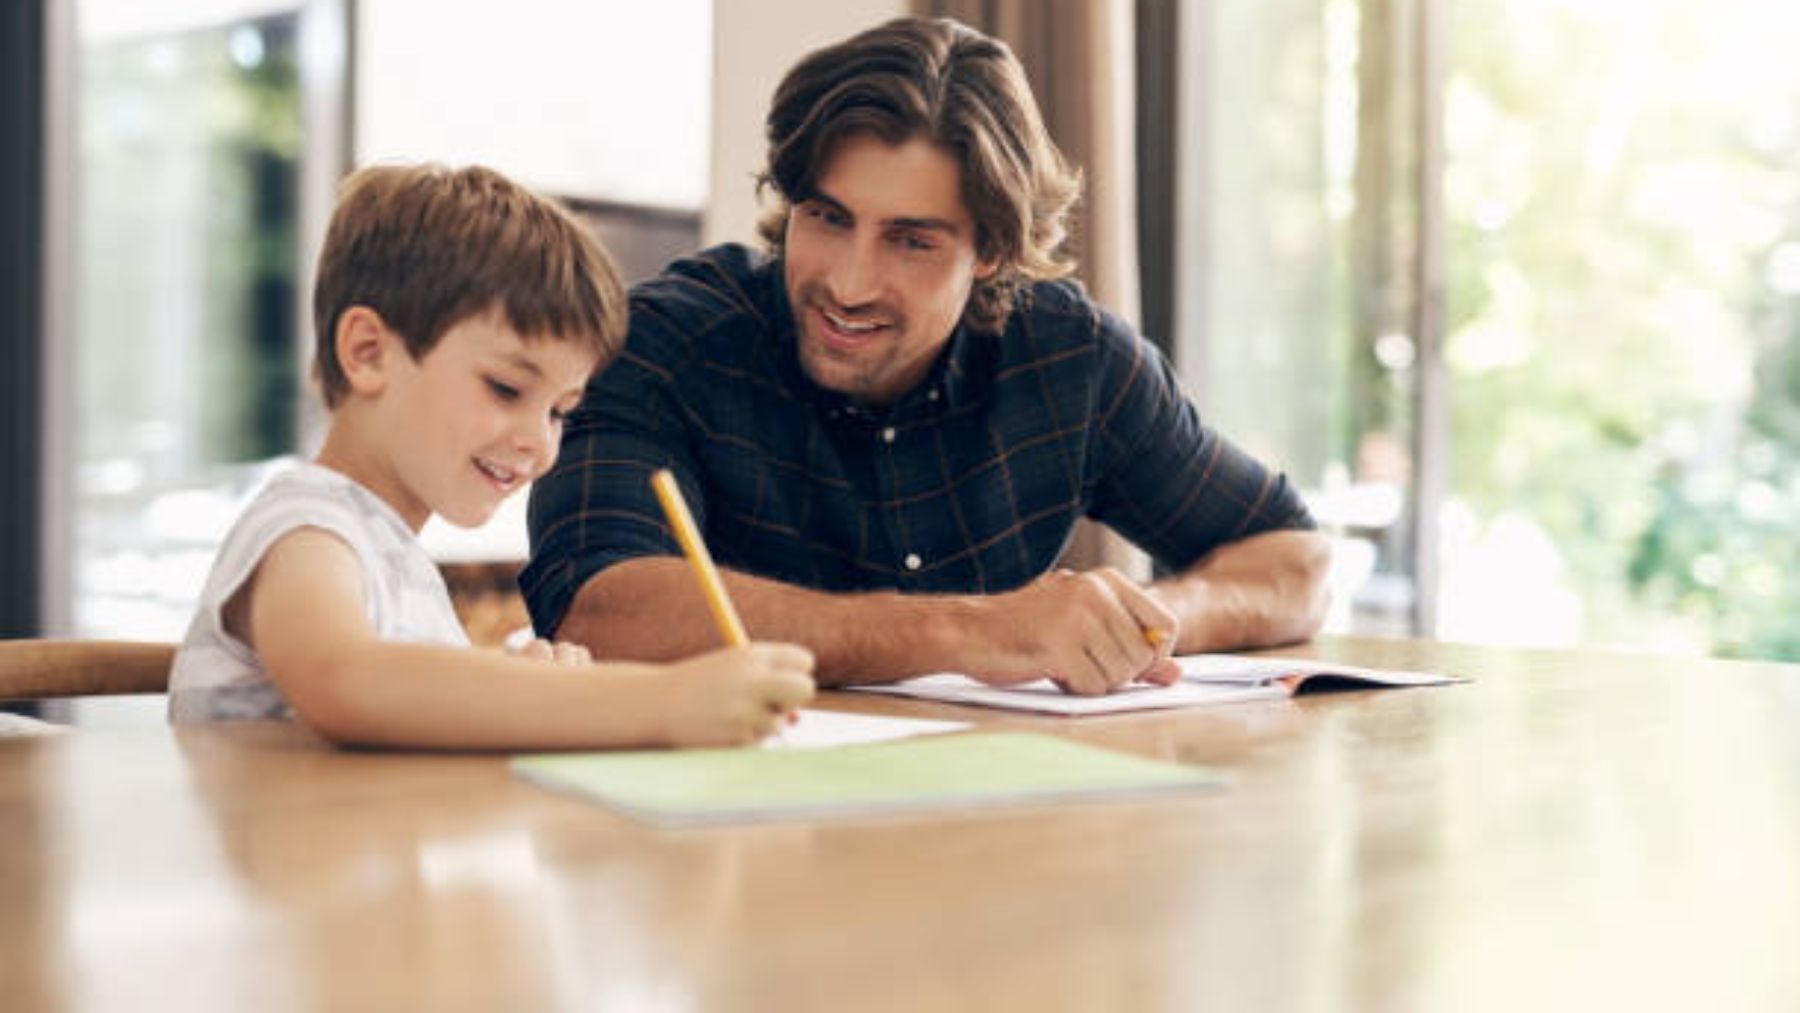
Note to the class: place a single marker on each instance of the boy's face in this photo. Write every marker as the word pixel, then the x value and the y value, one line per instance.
pixel 880 261
pixel 478 417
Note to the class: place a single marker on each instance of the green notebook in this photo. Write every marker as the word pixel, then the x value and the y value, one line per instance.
pixel 940 772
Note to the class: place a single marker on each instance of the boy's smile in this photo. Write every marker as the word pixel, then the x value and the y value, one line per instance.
pixel 505 479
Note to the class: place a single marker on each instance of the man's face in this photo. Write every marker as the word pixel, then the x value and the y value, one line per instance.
pixel 880 261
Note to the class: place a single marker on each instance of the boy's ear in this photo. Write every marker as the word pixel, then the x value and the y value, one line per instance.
pixel 365 346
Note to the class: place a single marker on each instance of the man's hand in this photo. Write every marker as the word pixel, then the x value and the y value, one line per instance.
pixel 1090 633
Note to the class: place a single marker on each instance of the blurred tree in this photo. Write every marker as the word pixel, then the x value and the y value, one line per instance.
pixel 1623 375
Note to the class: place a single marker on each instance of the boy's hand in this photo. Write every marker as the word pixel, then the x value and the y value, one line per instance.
pixel 560 652
pixel 736 696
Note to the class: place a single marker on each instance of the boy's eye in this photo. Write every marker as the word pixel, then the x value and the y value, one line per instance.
pixel 505 392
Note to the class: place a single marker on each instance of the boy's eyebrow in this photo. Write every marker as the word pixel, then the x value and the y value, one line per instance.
pixel 524 362
pixel 943 225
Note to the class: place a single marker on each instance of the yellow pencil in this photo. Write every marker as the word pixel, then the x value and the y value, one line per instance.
pixel 694 547
pixel 730 626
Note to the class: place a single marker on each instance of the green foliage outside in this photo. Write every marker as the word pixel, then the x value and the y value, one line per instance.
pixel 1624 186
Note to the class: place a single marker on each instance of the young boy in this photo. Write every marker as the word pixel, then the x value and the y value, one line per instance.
pixel 459 317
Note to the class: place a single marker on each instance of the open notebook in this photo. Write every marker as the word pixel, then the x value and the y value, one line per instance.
pixel 1206 679
pixel 929 773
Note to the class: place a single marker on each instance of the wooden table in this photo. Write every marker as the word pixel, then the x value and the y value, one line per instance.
pixel 1574 829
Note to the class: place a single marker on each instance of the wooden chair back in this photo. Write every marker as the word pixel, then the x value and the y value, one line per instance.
pixel 45 669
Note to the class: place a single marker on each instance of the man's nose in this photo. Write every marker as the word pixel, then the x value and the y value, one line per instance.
pixel 855 275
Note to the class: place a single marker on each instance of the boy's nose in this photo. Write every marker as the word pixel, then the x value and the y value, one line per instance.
pixel 537 439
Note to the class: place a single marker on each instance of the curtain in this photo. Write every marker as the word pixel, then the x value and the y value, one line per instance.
pixel 1080 57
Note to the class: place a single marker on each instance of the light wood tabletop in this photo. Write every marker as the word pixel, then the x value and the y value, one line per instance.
pixel 1573 829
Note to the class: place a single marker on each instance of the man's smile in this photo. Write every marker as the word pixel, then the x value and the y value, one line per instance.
pixel 843 323
pixel 847 332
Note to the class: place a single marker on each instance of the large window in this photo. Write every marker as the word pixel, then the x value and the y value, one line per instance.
pixel 201 145
pixel 1616 352
pixel 184 364
pixel 1292 299
pixel 1624 209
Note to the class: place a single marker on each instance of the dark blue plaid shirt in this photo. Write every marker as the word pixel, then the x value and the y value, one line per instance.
pixel 971 482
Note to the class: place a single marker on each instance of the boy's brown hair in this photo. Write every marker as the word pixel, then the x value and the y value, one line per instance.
pixel 964 92
pixel 428 247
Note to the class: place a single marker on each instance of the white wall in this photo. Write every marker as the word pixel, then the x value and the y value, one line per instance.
pixel 603 99
pixel 655 103
pixel 754 44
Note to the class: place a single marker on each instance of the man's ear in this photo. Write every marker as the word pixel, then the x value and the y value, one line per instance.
pixel 984 269
pixel 365 347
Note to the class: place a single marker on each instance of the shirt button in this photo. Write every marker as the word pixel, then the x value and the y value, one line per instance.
pixel 913 562
pixel 931 395
pixel 887 435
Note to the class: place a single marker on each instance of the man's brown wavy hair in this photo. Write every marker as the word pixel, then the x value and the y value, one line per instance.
pixel 427 247
pixel 944 82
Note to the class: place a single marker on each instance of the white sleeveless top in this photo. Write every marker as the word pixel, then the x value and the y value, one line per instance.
pixel 217 676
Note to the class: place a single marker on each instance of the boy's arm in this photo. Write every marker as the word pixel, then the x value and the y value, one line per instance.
pixel 305 619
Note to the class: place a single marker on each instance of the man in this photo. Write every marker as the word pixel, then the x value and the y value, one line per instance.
pixel 888 428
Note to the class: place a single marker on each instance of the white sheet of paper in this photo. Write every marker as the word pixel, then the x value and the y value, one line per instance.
pixel 1235 669
pixel 819 729
pixel 1206 679
pixel 1043 697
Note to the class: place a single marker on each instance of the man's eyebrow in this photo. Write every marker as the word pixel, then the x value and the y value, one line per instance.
pixel 943 225
pixel 931 224
pixel 822 197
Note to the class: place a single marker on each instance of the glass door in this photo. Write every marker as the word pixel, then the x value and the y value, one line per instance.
pixel 1623 189
pixel 190 151
pixel 1597 206
pixel 1295 265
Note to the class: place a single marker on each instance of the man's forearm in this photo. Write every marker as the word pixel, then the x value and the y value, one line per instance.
pixel 1263 591
pixel 651 609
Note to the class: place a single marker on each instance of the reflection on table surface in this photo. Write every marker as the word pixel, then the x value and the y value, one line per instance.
pixel 1571 828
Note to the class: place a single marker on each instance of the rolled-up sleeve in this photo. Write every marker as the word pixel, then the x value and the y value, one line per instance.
pixel 595 508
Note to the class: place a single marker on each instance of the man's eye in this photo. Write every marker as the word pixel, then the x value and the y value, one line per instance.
pixel 504 392
pixel 827 215
pixel 917 244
